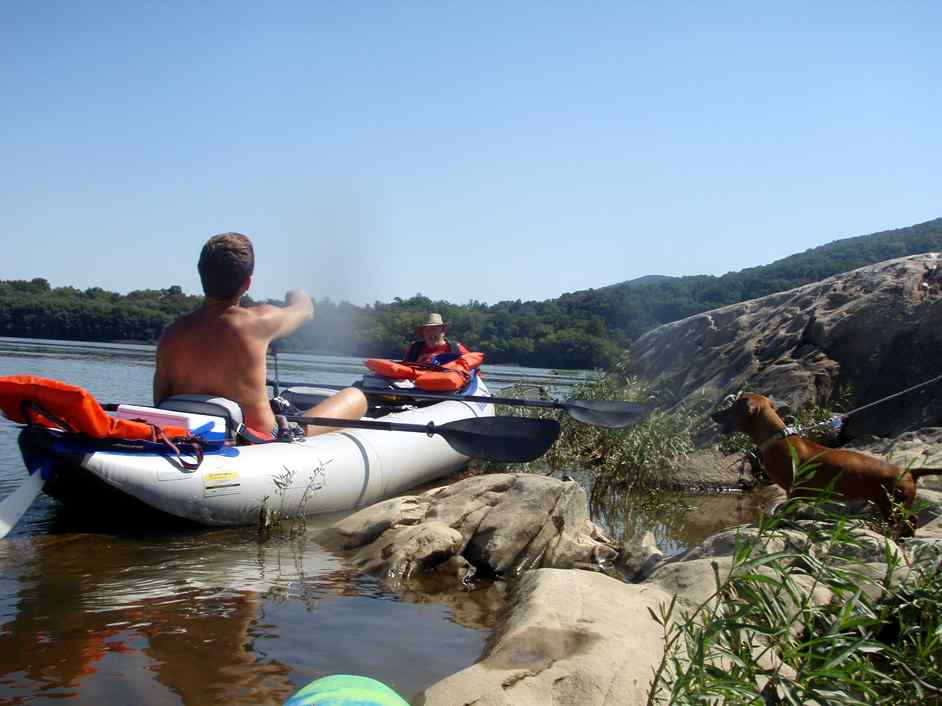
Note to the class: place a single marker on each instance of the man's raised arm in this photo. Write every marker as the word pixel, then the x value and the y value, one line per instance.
pixel 281 321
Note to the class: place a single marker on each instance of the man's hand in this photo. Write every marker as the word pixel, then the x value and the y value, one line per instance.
pixel 298 298
pixel 280 321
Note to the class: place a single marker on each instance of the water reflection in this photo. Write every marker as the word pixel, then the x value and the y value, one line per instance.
pixel 85 599
pixel 207 617
pixel 677 520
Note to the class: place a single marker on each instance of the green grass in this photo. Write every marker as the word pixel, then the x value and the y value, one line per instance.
pixel 630 460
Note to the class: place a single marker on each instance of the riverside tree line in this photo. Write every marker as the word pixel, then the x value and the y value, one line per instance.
pixel 587 329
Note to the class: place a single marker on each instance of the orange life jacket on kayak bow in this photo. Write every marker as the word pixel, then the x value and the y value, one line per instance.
pixel 28 399
pixel 447 377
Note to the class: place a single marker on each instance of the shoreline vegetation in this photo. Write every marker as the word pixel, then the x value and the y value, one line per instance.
pixel 814 607
pixel 581 330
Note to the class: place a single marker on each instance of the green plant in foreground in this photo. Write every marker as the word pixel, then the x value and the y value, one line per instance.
pixel 793 623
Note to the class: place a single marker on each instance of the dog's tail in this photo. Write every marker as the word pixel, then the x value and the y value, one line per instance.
pixel 918 473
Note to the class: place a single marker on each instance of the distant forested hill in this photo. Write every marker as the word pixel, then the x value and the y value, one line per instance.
pixel 631 310
pixel 579 330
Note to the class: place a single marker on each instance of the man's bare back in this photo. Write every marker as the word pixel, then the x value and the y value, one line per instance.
pixel 220 349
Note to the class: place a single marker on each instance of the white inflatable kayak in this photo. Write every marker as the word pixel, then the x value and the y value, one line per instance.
pixel 244 485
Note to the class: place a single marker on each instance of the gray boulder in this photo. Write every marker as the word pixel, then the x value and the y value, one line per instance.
pixel 876 329
pixel 707 470
pixel 498 525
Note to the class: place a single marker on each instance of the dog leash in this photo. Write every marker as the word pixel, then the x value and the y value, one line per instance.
pixel 893 396
pixel 835 423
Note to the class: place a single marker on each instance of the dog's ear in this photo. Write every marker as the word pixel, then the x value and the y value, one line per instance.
pixel 752 406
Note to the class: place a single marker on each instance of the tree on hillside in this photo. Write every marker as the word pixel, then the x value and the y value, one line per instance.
pixel 586 329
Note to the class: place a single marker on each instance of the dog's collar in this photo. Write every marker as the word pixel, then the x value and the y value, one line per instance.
pixel 778 436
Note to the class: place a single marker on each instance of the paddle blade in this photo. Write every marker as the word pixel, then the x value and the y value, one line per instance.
pixel 501 439
pixel 18 502
pixel 613 414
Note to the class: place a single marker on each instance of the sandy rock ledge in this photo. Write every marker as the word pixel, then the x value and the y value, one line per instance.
pixel 570 637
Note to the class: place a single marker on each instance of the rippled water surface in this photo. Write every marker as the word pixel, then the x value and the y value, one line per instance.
pixel 93 613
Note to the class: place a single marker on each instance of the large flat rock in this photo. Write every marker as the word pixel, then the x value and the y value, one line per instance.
pixel 570 638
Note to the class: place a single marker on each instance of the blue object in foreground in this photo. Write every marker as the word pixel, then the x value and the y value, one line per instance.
pixel 346 690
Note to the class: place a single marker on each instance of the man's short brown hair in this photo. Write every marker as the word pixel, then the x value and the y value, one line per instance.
pixel 226 262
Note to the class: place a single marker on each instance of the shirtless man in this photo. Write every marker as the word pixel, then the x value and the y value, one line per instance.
pixel 220 349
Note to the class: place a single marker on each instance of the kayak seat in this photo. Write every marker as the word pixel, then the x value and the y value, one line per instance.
pixel 211 405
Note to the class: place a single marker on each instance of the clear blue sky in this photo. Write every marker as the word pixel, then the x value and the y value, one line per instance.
pixel 461 150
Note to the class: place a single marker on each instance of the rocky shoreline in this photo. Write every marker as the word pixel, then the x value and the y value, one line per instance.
pixel 578 623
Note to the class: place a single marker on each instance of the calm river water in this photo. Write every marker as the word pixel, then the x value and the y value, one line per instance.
pixel 93 613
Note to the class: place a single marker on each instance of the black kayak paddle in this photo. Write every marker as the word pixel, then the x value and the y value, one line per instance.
pixel 612 414
pixel 502 439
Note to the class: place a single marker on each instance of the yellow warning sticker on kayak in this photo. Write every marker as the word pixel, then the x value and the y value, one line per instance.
pixel 220 475
pixel 221 483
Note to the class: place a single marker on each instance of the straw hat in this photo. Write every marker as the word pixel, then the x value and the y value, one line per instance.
pixel 433 320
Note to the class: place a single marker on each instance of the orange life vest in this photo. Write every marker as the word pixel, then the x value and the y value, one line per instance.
pixel 28 399
pixel 448 377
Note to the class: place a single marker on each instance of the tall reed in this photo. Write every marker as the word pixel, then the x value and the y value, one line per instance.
pixel 764 638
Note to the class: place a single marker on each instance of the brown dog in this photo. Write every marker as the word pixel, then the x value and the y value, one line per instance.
pixel 851 475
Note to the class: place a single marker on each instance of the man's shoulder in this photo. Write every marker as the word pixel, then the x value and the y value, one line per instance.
pixel 260 317
pixel 175 327
pixel 261 309
pixel 200 321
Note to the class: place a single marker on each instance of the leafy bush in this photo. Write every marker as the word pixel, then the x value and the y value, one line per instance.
pixel 620 461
